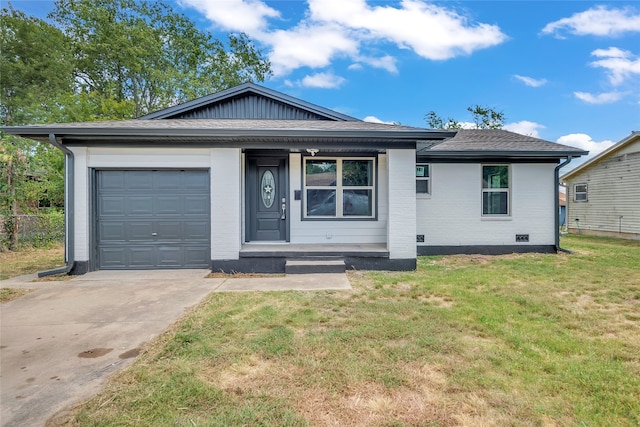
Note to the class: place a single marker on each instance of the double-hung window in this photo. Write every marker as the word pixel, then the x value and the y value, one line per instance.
pixel 423 178
pixel 496 190
pixel 580 193
pixel 339 187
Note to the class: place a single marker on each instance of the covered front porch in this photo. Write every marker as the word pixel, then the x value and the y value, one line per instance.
pixel 302 250
pixel 285 257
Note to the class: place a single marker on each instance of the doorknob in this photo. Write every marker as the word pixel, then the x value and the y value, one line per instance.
pixel 284 209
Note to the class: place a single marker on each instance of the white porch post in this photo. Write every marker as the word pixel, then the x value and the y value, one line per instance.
pixel 81 204
pixel 226 203
pixel 401 230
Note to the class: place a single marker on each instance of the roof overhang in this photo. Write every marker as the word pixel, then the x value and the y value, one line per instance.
pixel 264 137
pixel 497 155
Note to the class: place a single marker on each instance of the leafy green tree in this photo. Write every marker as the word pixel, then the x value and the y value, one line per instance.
pixel 108 59
pixel 134 57
pixel 36 75
pixel 486 117
pixel 36 69
pixel 436 122
pixel 483 118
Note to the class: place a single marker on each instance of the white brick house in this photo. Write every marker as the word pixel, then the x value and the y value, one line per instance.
pixel 246 178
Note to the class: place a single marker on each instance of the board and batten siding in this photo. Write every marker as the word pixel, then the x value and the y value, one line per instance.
pixel 336 231
pixel 613 196
pixel 250 107
pixel 452 214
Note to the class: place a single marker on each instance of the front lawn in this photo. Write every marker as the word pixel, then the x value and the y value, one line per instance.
pixel 30 260
pixel 465 340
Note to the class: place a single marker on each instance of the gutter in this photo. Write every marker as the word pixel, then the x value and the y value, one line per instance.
pixel 557 203
pixel 131 131
pixel 69 222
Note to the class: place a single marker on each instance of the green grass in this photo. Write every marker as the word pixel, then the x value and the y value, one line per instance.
pixel 30 260
pixel 7 294
pixel 465 340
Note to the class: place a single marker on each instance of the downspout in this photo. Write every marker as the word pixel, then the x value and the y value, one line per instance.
pixel 68 210
pixel 557 203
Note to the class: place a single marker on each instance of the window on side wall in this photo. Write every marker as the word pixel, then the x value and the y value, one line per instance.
pixel 496 190
pixel 423 178
pixel 580 193
pixel 339 188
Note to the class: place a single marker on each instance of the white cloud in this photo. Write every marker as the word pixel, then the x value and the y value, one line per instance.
pixel 525 127
pixel 323 80
pixel 318 80
pixel 352 29
pixel 431 31
pixel 249 16
pixel 386 62
pixel 530 81
pixel 597 21
pixel 308 46
pixel 612 52
pixel 467 125
pixel 602 98
pixel 620 64
pixel 374 119
pixel 355 66
pixel 584 141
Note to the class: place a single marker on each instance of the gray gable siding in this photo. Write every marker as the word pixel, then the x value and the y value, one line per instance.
pixel 249 106
pixel 248 101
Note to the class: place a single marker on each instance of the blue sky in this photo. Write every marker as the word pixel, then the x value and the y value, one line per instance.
pixel 565 71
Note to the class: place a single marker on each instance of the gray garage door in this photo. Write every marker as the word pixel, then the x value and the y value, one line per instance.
pixel 153 219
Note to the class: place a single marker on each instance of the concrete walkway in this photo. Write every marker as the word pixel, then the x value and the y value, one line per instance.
pixel 59 343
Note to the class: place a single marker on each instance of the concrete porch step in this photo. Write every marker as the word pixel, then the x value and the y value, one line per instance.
pixel 308 266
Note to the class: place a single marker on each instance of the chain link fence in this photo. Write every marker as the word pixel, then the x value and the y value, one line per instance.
pixel 38 230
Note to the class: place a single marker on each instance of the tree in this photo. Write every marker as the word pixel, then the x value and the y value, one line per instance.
pixel 36 69
pixel 486 117
pixel 483 118
pixel 134 57
pixel 108 59
pixel 436 122
pixel 36 73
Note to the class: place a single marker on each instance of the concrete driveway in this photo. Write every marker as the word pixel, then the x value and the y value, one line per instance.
pixel 60 343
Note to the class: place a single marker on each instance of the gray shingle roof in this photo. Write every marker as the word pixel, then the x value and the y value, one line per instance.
pixel 221 124
pixel 430 142
pixel 246 133
pixel 496 141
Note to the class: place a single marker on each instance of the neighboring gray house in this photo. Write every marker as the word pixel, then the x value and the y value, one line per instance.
pixel 248 178
pixel 603 194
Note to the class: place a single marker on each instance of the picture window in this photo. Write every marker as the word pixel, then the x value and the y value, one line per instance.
pixel 339 187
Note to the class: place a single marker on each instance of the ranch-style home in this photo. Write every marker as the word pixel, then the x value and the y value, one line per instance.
pixel 249 179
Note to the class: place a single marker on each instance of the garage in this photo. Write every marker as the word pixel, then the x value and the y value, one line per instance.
pixel 149 219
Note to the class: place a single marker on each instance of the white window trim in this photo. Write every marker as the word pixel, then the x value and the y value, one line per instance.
pixel 428 179
pixel 585 192
pixel 495 190
pixel 339 188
